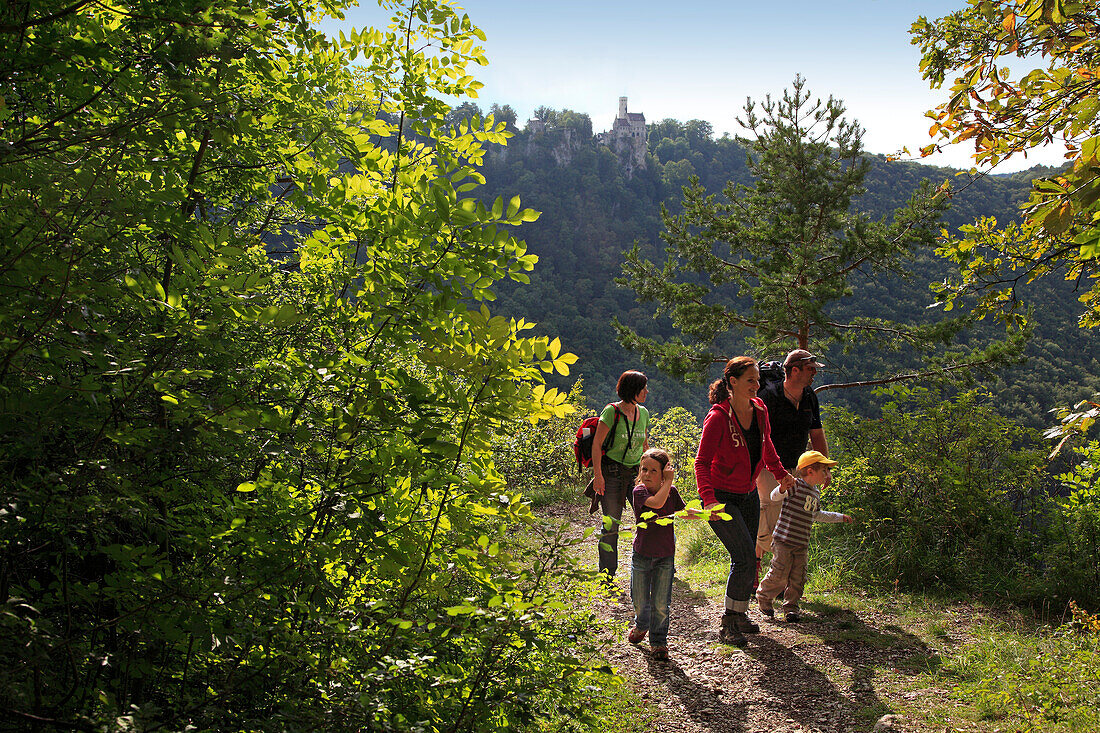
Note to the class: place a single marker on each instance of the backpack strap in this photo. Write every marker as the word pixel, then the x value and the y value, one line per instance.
pixel 610 437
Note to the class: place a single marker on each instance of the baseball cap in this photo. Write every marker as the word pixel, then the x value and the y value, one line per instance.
pixel 811 457
pixel 799 357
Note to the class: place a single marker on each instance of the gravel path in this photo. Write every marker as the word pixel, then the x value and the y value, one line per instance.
pixel 817 676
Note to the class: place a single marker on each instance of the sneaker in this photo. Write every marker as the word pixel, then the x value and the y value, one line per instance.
pixel 769 612
pixel 792 617
pixel 729 633
pixel 636 636
pixel 659 653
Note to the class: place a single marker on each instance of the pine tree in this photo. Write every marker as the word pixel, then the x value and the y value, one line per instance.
pixel 771 261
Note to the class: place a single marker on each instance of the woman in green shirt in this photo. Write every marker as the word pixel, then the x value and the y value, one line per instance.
pixel 616 469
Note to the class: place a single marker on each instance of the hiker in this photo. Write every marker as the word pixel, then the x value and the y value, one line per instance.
pixel 654 564
pixel 795 419
pixel 801 506
pixel 615 470
pixel 735 445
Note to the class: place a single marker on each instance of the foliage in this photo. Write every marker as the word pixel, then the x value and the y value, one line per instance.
pixel 250 385
pixel 594 208
pixel 946 493
pixel 1045 681
pixel 537 459
pixel 1072 552
pixel 678 432
pixel 1005 116
pixel 771 259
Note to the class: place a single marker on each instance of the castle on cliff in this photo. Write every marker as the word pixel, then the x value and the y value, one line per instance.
pixel 627 138
pixel 627 134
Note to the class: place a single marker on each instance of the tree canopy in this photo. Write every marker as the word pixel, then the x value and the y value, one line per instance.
pixel 250 380
pixel 772 258
pixel 1004 115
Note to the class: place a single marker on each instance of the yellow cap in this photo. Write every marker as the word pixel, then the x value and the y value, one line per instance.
pixel 811 457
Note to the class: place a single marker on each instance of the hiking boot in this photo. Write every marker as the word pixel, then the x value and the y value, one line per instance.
pixel 793 617
pixel 769 612
pixel 744 624
pixel 729 633
pixel 636 635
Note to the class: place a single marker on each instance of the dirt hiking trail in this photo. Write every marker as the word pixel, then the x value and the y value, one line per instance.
pixel 835 671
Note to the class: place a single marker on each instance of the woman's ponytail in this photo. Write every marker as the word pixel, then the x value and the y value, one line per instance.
pixel 718 391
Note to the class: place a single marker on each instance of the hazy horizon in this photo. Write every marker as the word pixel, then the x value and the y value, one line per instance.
pixel 702 61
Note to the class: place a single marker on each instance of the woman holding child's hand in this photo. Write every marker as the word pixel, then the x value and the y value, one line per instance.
pixel 736 444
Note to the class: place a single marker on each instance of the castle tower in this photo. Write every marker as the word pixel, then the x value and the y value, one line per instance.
pixel 627 135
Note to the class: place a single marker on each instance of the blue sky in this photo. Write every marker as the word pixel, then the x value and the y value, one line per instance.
pixel 701 59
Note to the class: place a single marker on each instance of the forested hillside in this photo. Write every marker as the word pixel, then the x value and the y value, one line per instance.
pixel 594 208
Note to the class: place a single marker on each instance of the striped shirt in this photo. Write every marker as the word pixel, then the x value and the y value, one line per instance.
pixel 801 508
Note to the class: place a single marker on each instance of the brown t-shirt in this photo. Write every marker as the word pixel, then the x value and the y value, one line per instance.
pixel 655 540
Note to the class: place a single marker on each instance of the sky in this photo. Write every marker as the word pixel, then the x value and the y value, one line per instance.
pixel 700 60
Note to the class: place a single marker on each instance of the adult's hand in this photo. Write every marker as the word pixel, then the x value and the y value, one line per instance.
pixel 714 507
pixel 597 483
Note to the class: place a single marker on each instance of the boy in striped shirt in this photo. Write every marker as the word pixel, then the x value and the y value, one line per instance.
pixel 791 538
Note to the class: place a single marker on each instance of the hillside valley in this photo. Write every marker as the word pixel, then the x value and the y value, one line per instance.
pixel 597 202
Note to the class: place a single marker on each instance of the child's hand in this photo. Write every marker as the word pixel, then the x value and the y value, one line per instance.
pixel 786 484
pixel 848 519
pixel 670 473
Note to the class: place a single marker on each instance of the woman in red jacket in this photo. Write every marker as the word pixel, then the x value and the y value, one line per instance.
pixel 736 444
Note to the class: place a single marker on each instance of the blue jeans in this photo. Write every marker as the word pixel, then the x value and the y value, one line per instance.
pixel 618 484
pixel 651 593
pixel 738 535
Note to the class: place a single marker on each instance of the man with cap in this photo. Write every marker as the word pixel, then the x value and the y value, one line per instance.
pixel 795 420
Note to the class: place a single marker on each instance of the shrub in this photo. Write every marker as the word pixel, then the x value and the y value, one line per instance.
pixel 678 432
pixel 940 489
pixel 249 382
pixel 537 459
pixel 1072 550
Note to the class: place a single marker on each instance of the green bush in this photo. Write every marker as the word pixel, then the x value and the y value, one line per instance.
pixel 677 431
pixel 537 458
pixel 940 489
pixel 1072 551
pixel 249 383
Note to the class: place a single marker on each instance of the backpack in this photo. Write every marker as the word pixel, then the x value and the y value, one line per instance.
pixel 771 372
pixel 586 434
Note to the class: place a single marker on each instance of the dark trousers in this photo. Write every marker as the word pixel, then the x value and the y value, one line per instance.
pixel 618 483
pixel 738 535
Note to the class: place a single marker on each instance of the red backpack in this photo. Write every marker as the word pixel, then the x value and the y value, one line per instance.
pixel 586 434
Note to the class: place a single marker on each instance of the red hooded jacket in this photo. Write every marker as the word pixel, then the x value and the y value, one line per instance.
pixel 722 463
